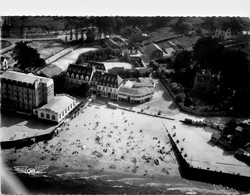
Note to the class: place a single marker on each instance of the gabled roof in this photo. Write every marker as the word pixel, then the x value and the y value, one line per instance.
pixel 26 78
pixel 151 48
pixel 97 65
pixel 108 79
pixel 82 69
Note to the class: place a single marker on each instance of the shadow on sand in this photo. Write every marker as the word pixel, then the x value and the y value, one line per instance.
pixel 237 182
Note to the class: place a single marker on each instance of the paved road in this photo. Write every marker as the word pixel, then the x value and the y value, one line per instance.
pixel 64 62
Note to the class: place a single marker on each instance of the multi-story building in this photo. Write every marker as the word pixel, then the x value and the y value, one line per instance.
pixel 79 74
pixel 98 66
pixel 57 108
pixel 23 92
pixel 136 92
pixel 107 84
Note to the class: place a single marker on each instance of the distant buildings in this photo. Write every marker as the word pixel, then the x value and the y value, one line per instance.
pixel 23 92
pixel 153 51
pixel 204 82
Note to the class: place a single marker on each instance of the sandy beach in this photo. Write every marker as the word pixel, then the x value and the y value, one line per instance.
pixel 115 147
pixel 105 139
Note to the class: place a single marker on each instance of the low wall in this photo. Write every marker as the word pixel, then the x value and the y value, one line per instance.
pixel 58 55
pixel 44 137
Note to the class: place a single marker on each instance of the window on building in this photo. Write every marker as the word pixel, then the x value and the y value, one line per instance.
pixel 53 117
pixel 47 116
pixel 42 115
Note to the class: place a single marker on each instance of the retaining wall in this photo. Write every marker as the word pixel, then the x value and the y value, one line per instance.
pixel 182 108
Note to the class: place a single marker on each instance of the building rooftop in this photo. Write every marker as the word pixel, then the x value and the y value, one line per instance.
pixel 59 103
pixel 22 77
pixel 111 65
pixel 81 69
pixel 97 65
pixel 135 91
pixel 148 49
pixel 107 79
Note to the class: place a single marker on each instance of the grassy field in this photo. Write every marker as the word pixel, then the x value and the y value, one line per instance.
pixel 48 48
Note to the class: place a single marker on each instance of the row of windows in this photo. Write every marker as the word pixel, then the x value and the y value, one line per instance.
pixel 108 85
pixel 106 94
pixel 133 96
pixel 48 116
pixel 66 110
pixel 106 89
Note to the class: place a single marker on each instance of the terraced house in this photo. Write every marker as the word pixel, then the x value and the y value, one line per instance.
pixel 23 92
pixel 97 66
pixel 107 84
pixel 79 74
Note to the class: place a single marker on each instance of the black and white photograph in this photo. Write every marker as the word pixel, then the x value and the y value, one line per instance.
pixel 125 97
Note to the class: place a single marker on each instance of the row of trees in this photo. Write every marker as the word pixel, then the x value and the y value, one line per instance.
pixel 102 54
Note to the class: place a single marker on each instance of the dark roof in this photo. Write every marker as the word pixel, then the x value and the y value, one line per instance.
pixel 80 69
pixel 151 48
pixel 107 79
pixel 97 65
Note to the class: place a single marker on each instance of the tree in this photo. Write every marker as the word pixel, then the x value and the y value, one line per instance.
pixel 181 25
pixel 26 56
pixel 120 23
pixel 105 24
pixel 234 68
pixel 182 60
pixel 234 23
pixel 60 83
pixel 159 21
pixel 208 52
pixel 90 36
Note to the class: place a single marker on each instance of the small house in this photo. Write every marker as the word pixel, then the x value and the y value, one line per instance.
pixel 4 63
pixel 215 138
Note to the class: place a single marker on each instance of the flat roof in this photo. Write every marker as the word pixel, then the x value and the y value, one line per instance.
pixel 59 103
pixel 26 78
pixel 110 65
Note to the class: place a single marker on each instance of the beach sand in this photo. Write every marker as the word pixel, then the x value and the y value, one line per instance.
pixel 109 147
pixel 105 139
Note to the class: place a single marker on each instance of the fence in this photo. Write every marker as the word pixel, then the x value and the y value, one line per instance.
pixel 58 55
